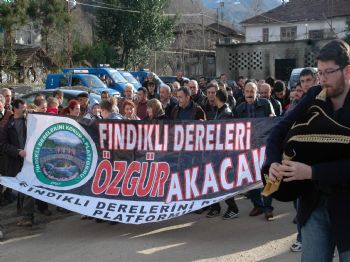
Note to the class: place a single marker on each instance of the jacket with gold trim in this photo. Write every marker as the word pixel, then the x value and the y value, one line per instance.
pixel 319 137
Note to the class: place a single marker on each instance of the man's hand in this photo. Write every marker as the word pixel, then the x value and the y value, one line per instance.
pixel 274 172
pixel 22 153
pixel 291 171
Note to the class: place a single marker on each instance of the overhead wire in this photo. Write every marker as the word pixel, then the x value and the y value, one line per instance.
pixel 109 8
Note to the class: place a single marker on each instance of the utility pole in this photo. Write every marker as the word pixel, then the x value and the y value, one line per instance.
pixel 217 17
pixel 203 32
pixel 221 6
pixel 70 5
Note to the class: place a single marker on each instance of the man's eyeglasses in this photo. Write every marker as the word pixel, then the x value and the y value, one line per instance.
pixel 191 87
pixel 328 72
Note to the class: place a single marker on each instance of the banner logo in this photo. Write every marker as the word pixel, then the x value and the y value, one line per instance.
pixel 62 156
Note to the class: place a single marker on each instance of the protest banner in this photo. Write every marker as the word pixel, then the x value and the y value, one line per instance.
pixel 137 171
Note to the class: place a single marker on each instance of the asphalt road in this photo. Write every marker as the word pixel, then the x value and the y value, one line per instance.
pixel 191 237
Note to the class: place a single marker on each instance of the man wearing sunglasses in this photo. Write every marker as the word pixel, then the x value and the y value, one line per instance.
pixel 308 152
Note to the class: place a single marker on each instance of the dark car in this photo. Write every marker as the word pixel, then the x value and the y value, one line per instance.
pixel 68 95
pixel 171 79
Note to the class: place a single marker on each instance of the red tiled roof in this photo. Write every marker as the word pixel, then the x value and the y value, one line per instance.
pixel 302 10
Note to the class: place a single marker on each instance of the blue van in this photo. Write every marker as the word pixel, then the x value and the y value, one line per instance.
pixel 141 76
pixel 130 78
pixel 78 78
pixel 114 79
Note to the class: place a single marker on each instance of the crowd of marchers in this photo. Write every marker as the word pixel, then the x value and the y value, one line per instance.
pixel 181 100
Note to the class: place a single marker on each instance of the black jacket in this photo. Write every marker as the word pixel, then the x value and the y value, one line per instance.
pixel 3 157
pixel 263 108
pixel 330 165
pixel 10 146
pixel 197 113
pixel 231 102
pixel 277 107
pixel 224 113
pixel 210 111
pixel 170 107
pixel 199 98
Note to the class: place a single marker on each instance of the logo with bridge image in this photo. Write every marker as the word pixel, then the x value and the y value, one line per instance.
pixel 62 156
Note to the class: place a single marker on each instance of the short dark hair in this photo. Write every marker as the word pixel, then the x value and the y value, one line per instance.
pixel 221 94
pixel 337 51
pixel 104 92
pixel 210 85
pixel 248 81
pixel 185 90
pixel 83 94
pixel 143 89
pixel 279 86
pixel 271 81
pixel 308 71
pixel 106 105
pixel 18 102
pixel 38 99
pixel 240 77
pixel 57 92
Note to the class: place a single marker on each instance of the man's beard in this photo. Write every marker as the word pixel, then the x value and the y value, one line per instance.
pixel 337 89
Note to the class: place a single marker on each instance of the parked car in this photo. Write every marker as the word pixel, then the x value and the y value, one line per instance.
pixel 141 76
pixel 130 78
pixel 115 80
pixel 68 94
pixel 78 78
pixel 170 79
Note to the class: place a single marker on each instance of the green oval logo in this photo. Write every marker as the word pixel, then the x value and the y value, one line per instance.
pixel 62 156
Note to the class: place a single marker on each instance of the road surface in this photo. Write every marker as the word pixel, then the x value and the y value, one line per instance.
pixel 191 237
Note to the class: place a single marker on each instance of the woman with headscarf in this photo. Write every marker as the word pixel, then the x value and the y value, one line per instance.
pixel 94 111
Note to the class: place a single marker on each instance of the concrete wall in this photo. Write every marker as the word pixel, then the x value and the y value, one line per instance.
pixel 257 60
pixel 254 33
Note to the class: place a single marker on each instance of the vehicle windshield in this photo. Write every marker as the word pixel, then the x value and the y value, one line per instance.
pixel 116 76
pixel 93 82
pixel 294 80
pixel 129 77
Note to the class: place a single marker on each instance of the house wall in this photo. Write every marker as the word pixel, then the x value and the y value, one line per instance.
pixel 258 60
pixel 27 36
pixel 254 33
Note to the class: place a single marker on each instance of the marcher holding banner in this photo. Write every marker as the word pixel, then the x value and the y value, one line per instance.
pixel 223 112
pixel 256 107
pixel 12 142
pixel 315 164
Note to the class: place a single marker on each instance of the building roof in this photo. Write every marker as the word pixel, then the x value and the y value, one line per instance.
pixel 302 10
pixel 225 30
pixel 221 29
pixel 25 56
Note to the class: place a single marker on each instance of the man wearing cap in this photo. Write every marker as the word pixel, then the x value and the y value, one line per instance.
pixel 179 78
pixel 151 77
pixel 152 93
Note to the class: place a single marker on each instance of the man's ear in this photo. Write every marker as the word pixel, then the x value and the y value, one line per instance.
pixel 347 71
